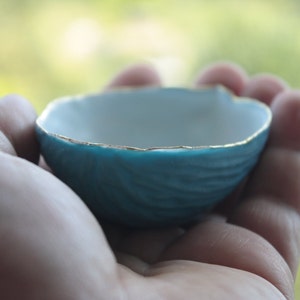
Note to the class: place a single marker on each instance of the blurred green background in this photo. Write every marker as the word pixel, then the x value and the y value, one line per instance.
pixel 52 48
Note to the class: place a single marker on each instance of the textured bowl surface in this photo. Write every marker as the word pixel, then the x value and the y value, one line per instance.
pixel 154 156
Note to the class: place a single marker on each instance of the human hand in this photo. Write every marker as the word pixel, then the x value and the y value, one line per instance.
pixel 53 248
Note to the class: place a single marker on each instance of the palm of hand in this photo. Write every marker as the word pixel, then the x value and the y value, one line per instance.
pixel 53 248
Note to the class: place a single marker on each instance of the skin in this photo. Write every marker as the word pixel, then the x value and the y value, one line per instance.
pixel 52 247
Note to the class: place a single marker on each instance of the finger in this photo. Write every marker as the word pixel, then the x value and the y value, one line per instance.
pixel 219 243
pixel 136 76
pixel 276 222
pixel 284 133
pixel 272 199
pixel 277 177
pixel 264 87
pixel 17 133
pixel 272 204
pixel 279 169
pixel 5 144
pixel 285 130
pixel 227 74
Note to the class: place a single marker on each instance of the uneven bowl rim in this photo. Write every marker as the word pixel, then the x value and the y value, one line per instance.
pixel 233 98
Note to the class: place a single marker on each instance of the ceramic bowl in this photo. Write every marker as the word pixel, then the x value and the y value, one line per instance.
pixel 153 156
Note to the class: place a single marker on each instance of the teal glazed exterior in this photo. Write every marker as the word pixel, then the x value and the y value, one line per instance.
pixel 151 187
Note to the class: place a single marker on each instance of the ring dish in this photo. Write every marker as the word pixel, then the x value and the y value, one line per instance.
pixel 153 156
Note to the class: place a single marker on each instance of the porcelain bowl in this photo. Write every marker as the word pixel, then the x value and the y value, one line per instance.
pixel 153 156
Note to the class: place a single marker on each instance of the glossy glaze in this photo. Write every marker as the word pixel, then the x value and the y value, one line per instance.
pixel 146 180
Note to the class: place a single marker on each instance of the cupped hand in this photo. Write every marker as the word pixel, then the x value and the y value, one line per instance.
pixel 52 247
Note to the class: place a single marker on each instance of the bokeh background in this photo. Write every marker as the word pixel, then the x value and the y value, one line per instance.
pixel 50 48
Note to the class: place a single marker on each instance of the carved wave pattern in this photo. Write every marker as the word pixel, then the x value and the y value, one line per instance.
pixel 129 187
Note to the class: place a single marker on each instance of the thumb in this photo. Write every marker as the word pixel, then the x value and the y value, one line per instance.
pixel 17 133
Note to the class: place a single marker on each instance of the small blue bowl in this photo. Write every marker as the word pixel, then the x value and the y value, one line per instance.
pixel 153 156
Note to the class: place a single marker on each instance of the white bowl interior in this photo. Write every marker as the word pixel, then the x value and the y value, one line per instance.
pixel 145 120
